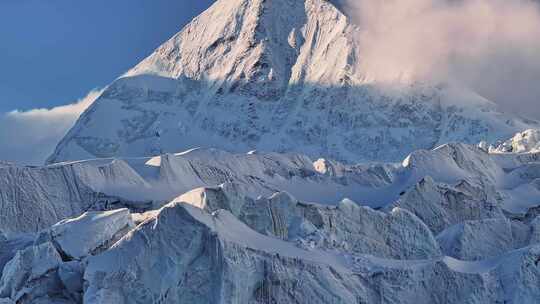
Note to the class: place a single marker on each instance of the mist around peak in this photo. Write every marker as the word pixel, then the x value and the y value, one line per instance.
pixel 490 46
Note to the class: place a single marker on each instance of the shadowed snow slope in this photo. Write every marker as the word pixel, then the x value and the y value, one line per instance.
pixel 445 186
pixel 345 226
pixel 208 226
pixel 216 259
pixel 452 223
pixel 279 76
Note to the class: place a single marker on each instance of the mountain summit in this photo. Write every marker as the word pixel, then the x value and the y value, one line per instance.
pixel 275 75
pixel 459 223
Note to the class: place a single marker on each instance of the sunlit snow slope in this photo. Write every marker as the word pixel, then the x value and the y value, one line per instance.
pixel 303 180
pixel 277 76
pixel 457 224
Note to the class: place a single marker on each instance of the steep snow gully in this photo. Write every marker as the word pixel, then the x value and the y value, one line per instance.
pixel 302 180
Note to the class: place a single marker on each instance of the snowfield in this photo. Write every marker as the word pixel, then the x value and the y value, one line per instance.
pixel 208 226
pixel 281 76
pixel 302 180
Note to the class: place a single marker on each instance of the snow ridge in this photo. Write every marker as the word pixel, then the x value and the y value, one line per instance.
pixel 280 76
pixel 118 216
pixel 247 227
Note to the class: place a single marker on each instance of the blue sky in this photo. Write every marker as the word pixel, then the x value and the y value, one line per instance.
pixel 53 52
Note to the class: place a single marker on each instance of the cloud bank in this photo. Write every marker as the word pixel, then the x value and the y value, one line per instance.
pixel 29 137
pixel 491 46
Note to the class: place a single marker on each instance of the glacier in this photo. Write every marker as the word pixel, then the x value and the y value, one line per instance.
pixel 249 159
pixel 276 76
pixel 209 226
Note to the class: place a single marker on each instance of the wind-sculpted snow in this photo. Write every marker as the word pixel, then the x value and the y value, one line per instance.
pixel 524 142
pixel 346 226
pixel 79 237
pixel 46 272
pixel 456 224
pixel 443 187
pixel 216 259
pixel 282 76
pixel 35 198
pixel 52 193
pixel 497 237
pixel 9 246
pixel 441 206
pixel 31 274
pixel 451 223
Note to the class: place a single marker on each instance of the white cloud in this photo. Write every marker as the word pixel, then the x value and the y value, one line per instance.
pixel 492 46
pixel 29 137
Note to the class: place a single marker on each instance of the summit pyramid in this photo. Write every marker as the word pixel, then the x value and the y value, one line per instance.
pixel 275 75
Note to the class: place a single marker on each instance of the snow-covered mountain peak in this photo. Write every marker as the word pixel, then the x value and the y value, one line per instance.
pixel 269 103
pixel 527 141
pixel 253 46
pixel 280 76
